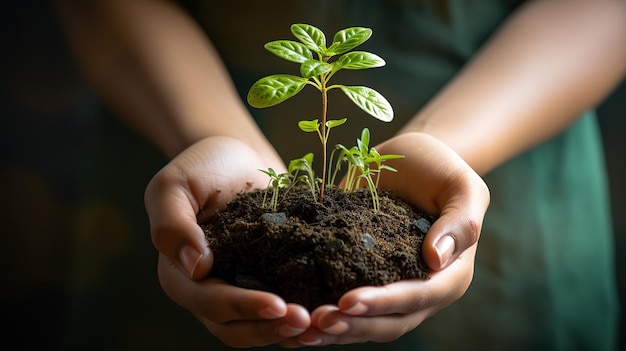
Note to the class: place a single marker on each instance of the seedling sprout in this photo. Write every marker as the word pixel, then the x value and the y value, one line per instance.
pixel 318 64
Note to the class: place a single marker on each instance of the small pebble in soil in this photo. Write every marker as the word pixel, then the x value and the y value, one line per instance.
pixel 276 218
pixel 367 240
pixel 335 245
pixel 422 224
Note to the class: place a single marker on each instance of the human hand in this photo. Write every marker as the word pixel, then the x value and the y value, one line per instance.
pixel 186 191
pixel 436 179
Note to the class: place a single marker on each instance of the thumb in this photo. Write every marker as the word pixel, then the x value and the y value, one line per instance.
pixel 457 229
pixel 174 228
pixel 449 236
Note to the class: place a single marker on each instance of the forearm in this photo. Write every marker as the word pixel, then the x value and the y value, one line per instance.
pixel 548 64
pixel 156 69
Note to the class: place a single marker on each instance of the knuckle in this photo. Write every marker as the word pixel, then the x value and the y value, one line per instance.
pixel 161 236
pixel 473 233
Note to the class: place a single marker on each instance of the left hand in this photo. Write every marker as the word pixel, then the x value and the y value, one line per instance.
pixel 202 179
pixel 435 179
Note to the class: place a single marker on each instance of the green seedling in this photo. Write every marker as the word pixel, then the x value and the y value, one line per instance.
pixel 360 159
pixel 288 180
pixel 277 181
pixel 318 64
pixel 305 164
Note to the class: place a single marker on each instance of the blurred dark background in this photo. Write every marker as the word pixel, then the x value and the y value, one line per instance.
pixel 78 269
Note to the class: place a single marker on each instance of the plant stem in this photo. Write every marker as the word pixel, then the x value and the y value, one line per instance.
pixel 324 138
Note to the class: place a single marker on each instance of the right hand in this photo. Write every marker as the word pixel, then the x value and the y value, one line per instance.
pixel 434 178
pixel 189 189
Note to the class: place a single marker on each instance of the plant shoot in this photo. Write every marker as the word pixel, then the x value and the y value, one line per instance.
pixel 318 64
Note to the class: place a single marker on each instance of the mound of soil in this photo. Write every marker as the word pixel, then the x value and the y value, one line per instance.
pixel 311 253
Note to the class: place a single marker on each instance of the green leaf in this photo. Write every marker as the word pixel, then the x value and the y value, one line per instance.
pixel 309 126
pixel 302 163
pixel 390 157
pixel 270 172
pixel 312 68
pixel 312 37
pixel 308 158
pixel 289 50
pixel 374 154
pixel 388 168
pixel 370 101
pixel 364 142
pixel 295 165
pixel 274 89
pixel 283 180
pixel 349 154
pixel 349 38
pixel 335 122
pixel 345 153
pixel 358 161
pixel 358 60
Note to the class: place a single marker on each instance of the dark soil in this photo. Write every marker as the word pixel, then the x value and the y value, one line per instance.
pixel 312 253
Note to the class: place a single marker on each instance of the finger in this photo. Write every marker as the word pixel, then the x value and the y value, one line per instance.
pixel 353 330
pixel 409 296
pixel 456 194
pixel 173 225
pixel 189 190
pixel 406 296
pixel 249 333
pixel 383 314
pixel 216 300
pixel 452 233
pixel 238 317
pixel 460 221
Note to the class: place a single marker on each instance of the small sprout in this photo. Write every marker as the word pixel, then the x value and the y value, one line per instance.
pixel 359 159
pixel 314 127
pixel 276 182
pixel 305 163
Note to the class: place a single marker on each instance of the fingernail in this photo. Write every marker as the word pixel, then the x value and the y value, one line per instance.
pixel 445 248
pixel 311 342
pixel 271 312
pixel 189 258
pixel 356 310
pixel 338 328
pixel 289 330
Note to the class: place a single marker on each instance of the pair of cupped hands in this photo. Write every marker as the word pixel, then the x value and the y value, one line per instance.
pixel 208 174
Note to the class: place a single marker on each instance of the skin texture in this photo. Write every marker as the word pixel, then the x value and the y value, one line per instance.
pixel 548 63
